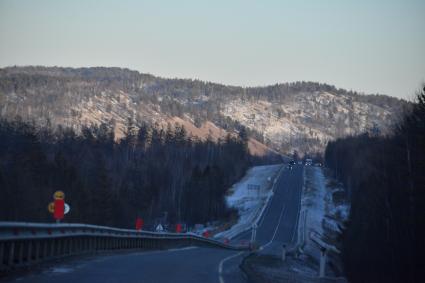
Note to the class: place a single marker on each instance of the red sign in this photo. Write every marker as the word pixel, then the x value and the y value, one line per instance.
pixel 59 209
pixel 178 228
pixel 206 234
pixel 139 223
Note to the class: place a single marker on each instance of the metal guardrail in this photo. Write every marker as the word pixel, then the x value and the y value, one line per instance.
pixel 23 244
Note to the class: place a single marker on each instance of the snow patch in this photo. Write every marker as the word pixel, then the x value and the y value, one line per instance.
pixel 250 196
pixel 326 211
pixel 61 270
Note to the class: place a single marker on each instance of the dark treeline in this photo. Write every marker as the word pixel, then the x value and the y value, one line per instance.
pixel 384 240
pixel 150 171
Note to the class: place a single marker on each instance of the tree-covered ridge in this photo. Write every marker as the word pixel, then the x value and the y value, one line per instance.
pixel 152 170
pixel 299 115
pixel 384 240
pixel 132 81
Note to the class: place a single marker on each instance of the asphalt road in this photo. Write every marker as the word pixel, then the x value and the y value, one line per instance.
pixel 192 264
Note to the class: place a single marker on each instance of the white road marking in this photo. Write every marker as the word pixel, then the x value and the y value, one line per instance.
pixel 220 266
pixel 182 249
pixel 299 211
pixel 61 270
pixel 275 230
pixel 263 216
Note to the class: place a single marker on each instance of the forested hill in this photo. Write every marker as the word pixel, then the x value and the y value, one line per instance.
pixel 300 115
pixel 384 239
pixel 148 173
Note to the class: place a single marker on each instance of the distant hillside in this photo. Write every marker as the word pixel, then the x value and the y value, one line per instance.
pixel 299 116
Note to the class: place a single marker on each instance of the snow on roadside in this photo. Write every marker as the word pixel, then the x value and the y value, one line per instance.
pixel 326 210
pixel 248 200
pixel 314 198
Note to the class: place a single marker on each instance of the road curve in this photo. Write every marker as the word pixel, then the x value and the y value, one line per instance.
pixel 191 264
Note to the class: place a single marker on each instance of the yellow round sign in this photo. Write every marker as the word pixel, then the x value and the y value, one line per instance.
pixel 59 195
pixel 51 207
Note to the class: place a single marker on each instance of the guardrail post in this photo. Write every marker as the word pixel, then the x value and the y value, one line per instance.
pixel 65 250
pixel 283 252
pixel 69 246
pixel 322 262
pixel 37 250
pixel 60 247
pixel 29 252
pixel 92 239
pixel 11 254
pixel 21 253
pixel 2 255
pixel 52 248
pixel 45 244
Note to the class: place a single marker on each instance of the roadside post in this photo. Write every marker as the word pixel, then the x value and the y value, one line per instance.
pixel 283 252
pixel 254 233
pixel 324 249
pixel 323 254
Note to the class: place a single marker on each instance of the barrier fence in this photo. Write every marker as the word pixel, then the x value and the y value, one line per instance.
pixel 24 244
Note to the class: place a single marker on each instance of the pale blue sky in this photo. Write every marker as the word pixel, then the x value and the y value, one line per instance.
pixel 365 45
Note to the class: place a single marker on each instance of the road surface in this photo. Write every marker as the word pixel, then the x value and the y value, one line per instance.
pixel 191 264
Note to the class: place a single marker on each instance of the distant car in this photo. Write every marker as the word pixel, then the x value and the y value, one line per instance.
pixel 300 163
pixel 292 162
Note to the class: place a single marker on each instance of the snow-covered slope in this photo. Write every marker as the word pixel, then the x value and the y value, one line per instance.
pixel 250 196
pixel 299 116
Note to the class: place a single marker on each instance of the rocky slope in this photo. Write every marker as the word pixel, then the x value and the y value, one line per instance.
pixel 299 116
